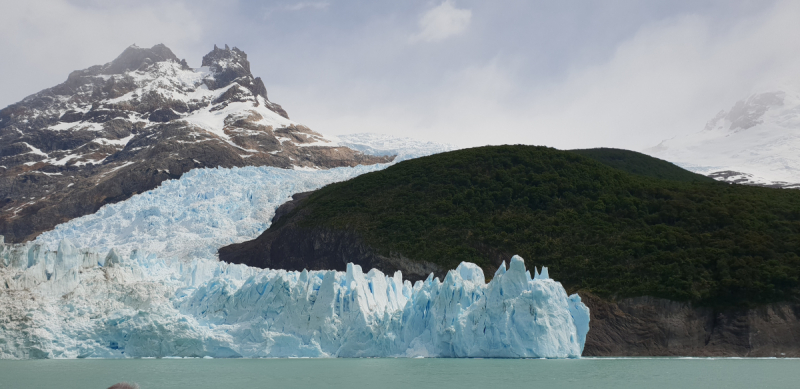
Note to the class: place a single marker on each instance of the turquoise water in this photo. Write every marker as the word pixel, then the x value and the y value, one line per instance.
pixel 403 373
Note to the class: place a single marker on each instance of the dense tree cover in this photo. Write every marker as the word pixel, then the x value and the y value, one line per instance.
pixel 597 228
pixel 641 164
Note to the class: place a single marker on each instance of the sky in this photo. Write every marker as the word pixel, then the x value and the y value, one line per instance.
pixel 565 74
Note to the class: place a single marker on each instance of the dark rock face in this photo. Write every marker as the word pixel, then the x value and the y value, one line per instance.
pixel 646 326
pixel 741 178
pixel 291 247
pixel 231 65
pixel 124 385
pixel 134 58
pixel 163 115
pixel 227 65
pixel 115 130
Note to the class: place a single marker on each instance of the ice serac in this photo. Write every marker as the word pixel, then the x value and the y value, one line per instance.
pixel 144 306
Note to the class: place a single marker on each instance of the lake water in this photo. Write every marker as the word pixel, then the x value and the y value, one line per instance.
pixel 404 373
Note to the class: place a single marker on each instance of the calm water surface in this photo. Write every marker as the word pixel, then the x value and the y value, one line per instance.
pixel 403 373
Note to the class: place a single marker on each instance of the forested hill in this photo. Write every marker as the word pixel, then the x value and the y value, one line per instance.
pixel 611 231
pixel 641 164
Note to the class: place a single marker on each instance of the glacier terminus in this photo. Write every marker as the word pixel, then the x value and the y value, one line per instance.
pixel 74 303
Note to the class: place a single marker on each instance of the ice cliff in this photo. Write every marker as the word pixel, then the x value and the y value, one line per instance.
pixel 74 303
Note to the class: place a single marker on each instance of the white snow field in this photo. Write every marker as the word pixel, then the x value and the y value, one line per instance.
pixel 144 281
pixel 756 142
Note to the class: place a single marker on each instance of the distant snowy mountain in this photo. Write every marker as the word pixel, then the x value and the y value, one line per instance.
pixel 756 142
pixel 114 130
pixel 388 145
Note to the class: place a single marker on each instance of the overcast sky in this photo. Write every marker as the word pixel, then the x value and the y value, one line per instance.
pixel 566 74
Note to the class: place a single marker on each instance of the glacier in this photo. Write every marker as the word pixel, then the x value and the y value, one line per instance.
pixel 140 279
pixel 136 305
pixel 385 145
pixel 193 216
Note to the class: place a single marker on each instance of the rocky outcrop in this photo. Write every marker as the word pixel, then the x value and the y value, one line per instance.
pixel 647 326
pixel 134 58
pixel 741 178
pixel 231 65
pixel 288 245
pixel 114 130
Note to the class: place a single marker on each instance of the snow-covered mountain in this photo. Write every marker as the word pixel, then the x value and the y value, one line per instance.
pixel 756 142
pixel 114 130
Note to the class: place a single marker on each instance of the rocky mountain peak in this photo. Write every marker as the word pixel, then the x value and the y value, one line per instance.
pixel 231 66
pixel 227 59
pixel 135 58
pixel 747 113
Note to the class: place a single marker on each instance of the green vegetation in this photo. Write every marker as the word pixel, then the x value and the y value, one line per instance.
pixel 641 164
pixel 597 228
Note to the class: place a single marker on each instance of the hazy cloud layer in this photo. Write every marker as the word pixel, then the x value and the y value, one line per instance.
pixel 43 41
pixel 565 74
pixel 442 22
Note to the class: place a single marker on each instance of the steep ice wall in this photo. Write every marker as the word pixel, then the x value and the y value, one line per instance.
pixel 142 306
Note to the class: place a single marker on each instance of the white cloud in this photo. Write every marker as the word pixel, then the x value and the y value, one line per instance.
pixel 277 9
pixel 442 22
pixel 667 79
pixel 46 40
pixel 308 5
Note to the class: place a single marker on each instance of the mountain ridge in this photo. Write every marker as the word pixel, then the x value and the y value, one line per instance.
pixel 114 130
